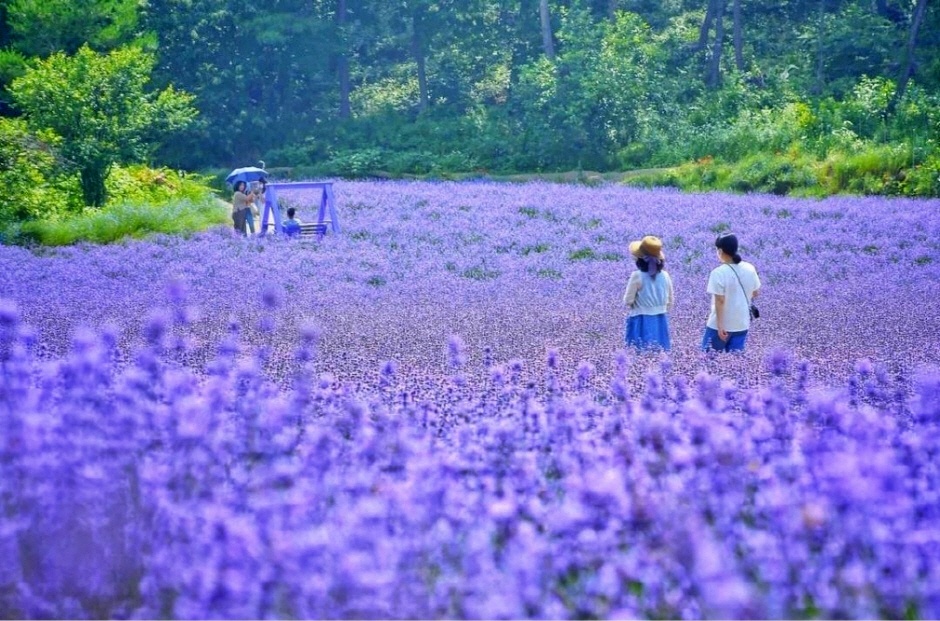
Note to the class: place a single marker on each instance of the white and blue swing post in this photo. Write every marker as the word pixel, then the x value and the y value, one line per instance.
pixel 327 202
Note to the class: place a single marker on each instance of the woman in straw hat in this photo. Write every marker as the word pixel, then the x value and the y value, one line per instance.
pixel 649 297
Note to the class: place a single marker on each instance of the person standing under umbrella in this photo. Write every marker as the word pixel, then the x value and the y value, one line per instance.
pixel 241 205
pixel 258 204
pixel 251 212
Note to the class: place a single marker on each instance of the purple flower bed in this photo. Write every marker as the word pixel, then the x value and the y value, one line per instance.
pixel 430 415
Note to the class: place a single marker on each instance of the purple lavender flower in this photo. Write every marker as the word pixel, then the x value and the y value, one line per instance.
pixel 192 462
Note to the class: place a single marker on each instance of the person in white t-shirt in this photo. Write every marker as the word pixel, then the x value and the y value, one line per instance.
pixel 732 286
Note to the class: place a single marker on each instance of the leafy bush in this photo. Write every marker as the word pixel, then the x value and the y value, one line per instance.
pixel 304 153
pixel 922 179
pixel 99 106
pixel 12 66
pixel 140 184
pixel 414 162
pixel 875 169
pixel 780 174
pixel 34 180
pixel 871 169
pixel 354 163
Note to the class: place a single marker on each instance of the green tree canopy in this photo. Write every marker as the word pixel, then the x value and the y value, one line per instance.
pixel 98 104
pixel 43 27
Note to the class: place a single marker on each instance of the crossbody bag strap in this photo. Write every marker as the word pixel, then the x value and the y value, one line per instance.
pixel 743 290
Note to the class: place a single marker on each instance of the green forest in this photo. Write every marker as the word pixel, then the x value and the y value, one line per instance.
pixel 110 100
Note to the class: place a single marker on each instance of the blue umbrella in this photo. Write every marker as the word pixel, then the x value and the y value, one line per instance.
pixel 247 174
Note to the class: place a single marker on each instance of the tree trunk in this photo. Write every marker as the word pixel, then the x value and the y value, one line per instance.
pixel 706 26
pixel 92 177
pixel 417 50
pixel 738 36
pixel 820 81
pixel 887 11
pixel 713 78
pixel 519 30
pixel 547 42
pixel 908 70
pixel 342 63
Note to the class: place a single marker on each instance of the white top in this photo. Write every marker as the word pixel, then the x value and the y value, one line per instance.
pixel 648 296
pixel 722 281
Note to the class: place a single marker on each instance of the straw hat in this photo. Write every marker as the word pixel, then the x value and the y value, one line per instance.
pixel 649 246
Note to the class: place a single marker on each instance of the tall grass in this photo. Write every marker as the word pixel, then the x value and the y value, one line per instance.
pixel 870 169
pixel 129 219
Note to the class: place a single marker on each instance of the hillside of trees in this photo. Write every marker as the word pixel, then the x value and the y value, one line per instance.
pixel 744 94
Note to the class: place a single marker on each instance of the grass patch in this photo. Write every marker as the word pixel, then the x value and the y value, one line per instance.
pixel 480 273
pixel 548 273
pixel 536 249
pixel 133 220
pixel 874 169
pixel 142 201
pixel 582 254
pixel 534 212
pixel 822 215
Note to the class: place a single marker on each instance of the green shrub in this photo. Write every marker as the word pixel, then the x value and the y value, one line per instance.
pixel 922 179
pixel 135 220
pixel 31 172
pixel 870 169
pixel 355 163
pixel 873 169
pixel 305 153
pixel 409 162
pixel 585 253
pixel 779 174
pixel 140 184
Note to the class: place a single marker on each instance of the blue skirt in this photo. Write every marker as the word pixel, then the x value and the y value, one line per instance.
pixel 648 332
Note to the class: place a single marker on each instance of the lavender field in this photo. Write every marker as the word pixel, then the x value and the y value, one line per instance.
pixel 431 415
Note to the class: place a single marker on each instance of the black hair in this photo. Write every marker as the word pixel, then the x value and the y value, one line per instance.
pixel 240 183
pixel 643 264
pixel 290 212
pixel 728 243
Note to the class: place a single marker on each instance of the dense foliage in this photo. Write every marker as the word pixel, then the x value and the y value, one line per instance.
pixel 45 205
pixel 99 108
pixel 429 415
pixel 364 87
pixel 32 175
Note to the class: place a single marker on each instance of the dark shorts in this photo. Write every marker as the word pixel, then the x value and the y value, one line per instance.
pixel 735 342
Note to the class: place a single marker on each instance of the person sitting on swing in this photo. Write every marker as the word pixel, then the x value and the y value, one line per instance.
pixel 291 226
